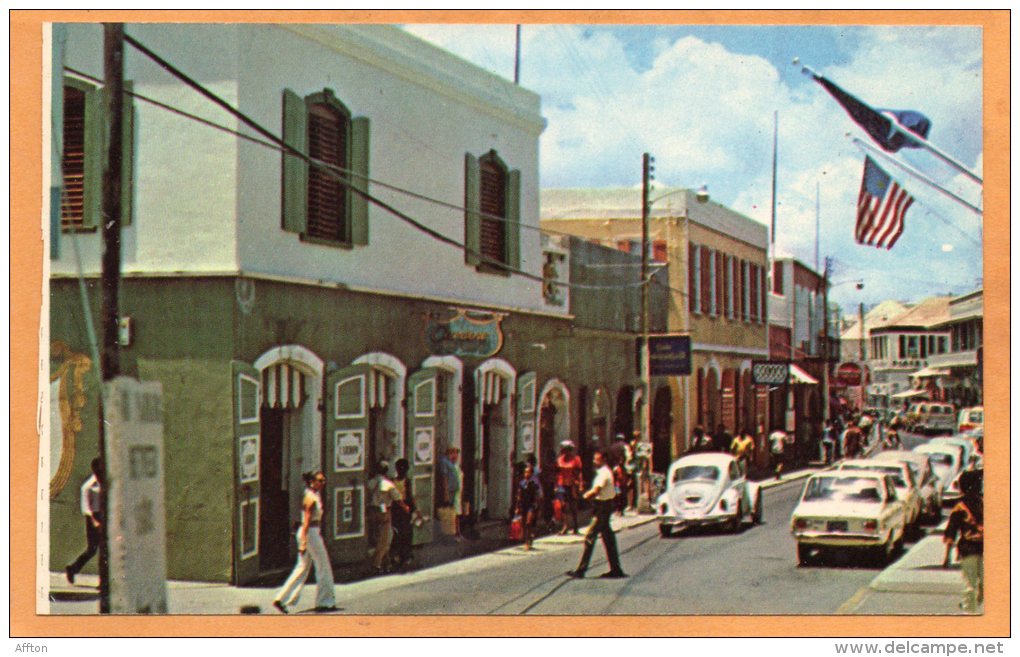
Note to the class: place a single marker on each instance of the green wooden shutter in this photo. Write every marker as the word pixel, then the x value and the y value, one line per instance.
pixel 527 429
pixel 422 419
pixel 95 155
pixel 246 404
pixel 295 170
pixel 127 156
pixel 359 180
pixel 513 219
pixel 472 207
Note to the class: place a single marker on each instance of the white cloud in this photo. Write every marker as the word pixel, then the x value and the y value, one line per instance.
pixel 706 114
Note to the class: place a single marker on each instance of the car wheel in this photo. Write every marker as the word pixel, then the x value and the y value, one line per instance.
pixel 665 531
pixel 734 524
pixel 804 554
pixel 758 512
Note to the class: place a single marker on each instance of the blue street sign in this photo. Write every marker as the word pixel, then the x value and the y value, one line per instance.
pixel 669 355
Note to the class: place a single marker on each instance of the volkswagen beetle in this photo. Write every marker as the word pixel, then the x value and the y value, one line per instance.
pixel 707 489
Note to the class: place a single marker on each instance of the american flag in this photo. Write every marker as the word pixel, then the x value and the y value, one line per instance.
pixel 881 207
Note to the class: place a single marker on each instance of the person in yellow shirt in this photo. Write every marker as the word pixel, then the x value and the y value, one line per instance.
pixel 742 447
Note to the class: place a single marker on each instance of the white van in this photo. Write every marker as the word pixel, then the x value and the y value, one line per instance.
pixel 933 417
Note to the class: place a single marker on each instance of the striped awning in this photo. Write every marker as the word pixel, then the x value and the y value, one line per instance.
pixel 491 388
pixel 283 387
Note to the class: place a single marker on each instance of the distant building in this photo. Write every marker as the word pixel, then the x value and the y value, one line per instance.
pixel 717 283
pixel 901 347
pixel 956 376
pixel 797 336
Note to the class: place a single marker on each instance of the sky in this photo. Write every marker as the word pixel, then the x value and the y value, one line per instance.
pixel 703 101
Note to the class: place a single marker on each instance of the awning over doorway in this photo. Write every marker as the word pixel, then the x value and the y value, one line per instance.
pixel 929 372
pixel 798 375
pixel 909 394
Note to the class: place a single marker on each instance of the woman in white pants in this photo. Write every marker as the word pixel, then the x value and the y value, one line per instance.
pixel 311 550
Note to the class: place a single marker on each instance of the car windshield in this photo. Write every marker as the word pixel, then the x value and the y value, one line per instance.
pixel 977 416
pixel 944 460
pixel 895 471
pixel 692 472
pixel 842 489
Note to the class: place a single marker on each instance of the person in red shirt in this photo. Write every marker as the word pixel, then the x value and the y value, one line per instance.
pixel 568 482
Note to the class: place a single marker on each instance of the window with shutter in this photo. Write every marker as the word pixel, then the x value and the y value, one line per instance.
pixel 659 251
pixel 318 203
pixel 72 206
pixel 727 286
pixel 753 270
pixel 720 286
pixel 492 214
pixel 713 307
pixel 705 288
pixel 693 285
pixel 777 278
pixel 492 196
pixel 764 297
pixel 85 146
pixel 327 196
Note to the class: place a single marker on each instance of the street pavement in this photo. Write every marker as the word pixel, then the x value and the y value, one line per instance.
pixel 754 571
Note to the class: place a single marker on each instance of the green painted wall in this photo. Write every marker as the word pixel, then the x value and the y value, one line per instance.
pixel 186 332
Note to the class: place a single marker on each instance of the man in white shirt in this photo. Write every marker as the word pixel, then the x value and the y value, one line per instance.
pixel 777 442
pixel 92 510
pixel 383 494
pixel 603 492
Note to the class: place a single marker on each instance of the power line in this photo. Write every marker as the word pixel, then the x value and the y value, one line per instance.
pixel 170 68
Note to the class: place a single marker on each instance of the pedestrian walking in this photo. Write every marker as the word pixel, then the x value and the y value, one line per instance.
pixel 828 443
pixel 568 484
pixel 603 492
pixel 852 440
pixel 722 439
pixel 451 479
pixel 966 529
pixel 777 447
pixel 528 503
pixel 404 518
pixel 91 509
pixel 383 495
pixel 311 550
pixel 741 447
pixel 699 441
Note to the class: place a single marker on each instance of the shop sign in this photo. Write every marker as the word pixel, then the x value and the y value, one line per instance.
pixel 349 451
pixel 770 372
pixel 468 333
pixel 423 445
pixel 849 374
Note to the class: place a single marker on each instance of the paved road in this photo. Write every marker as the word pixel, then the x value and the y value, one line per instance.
pixel 703 572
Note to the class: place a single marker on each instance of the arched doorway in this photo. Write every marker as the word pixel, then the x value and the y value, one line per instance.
pixel 289 442
pixel 662 426
pixel 554 422
pixel 623 419
pixel 495 381
pixel 712 400
pixel 385 391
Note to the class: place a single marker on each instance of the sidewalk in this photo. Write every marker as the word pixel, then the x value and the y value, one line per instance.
pixel 916 584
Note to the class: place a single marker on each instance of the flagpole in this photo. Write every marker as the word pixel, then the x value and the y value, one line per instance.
pixel 915 173
pixel 912 136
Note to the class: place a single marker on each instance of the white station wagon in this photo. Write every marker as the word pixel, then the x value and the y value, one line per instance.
pixel 856 509
pixel 707 489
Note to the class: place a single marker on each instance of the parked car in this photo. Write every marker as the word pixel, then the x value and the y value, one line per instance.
pixel 707 489
pixel 929 487
pixel 903 479
pixel 947 463
pixel 857 509
pixel 931 417
pixel 972 458
pixel 970 418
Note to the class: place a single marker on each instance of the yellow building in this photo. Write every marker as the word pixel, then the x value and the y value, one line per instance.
pixel 718 282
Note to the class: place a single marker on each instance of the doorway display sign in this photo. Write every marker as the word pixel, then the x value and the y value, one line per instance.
pixel 137 523
pixel 349 451
pixel 248 453
pixel 467 333
pixel 528 437
pixel 423 439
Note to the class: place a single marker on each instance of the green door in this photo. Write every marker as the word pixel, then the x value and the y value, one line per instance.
pixel 345 463
pixel 527 431
pixel 247 442
pixel 422 418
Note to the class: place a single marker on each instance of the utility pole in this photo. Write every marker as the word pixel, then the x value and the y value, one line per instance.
pixel 860 318
pixel 826 356
pixel 517 57
pixel 113 73
pixel 644 503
